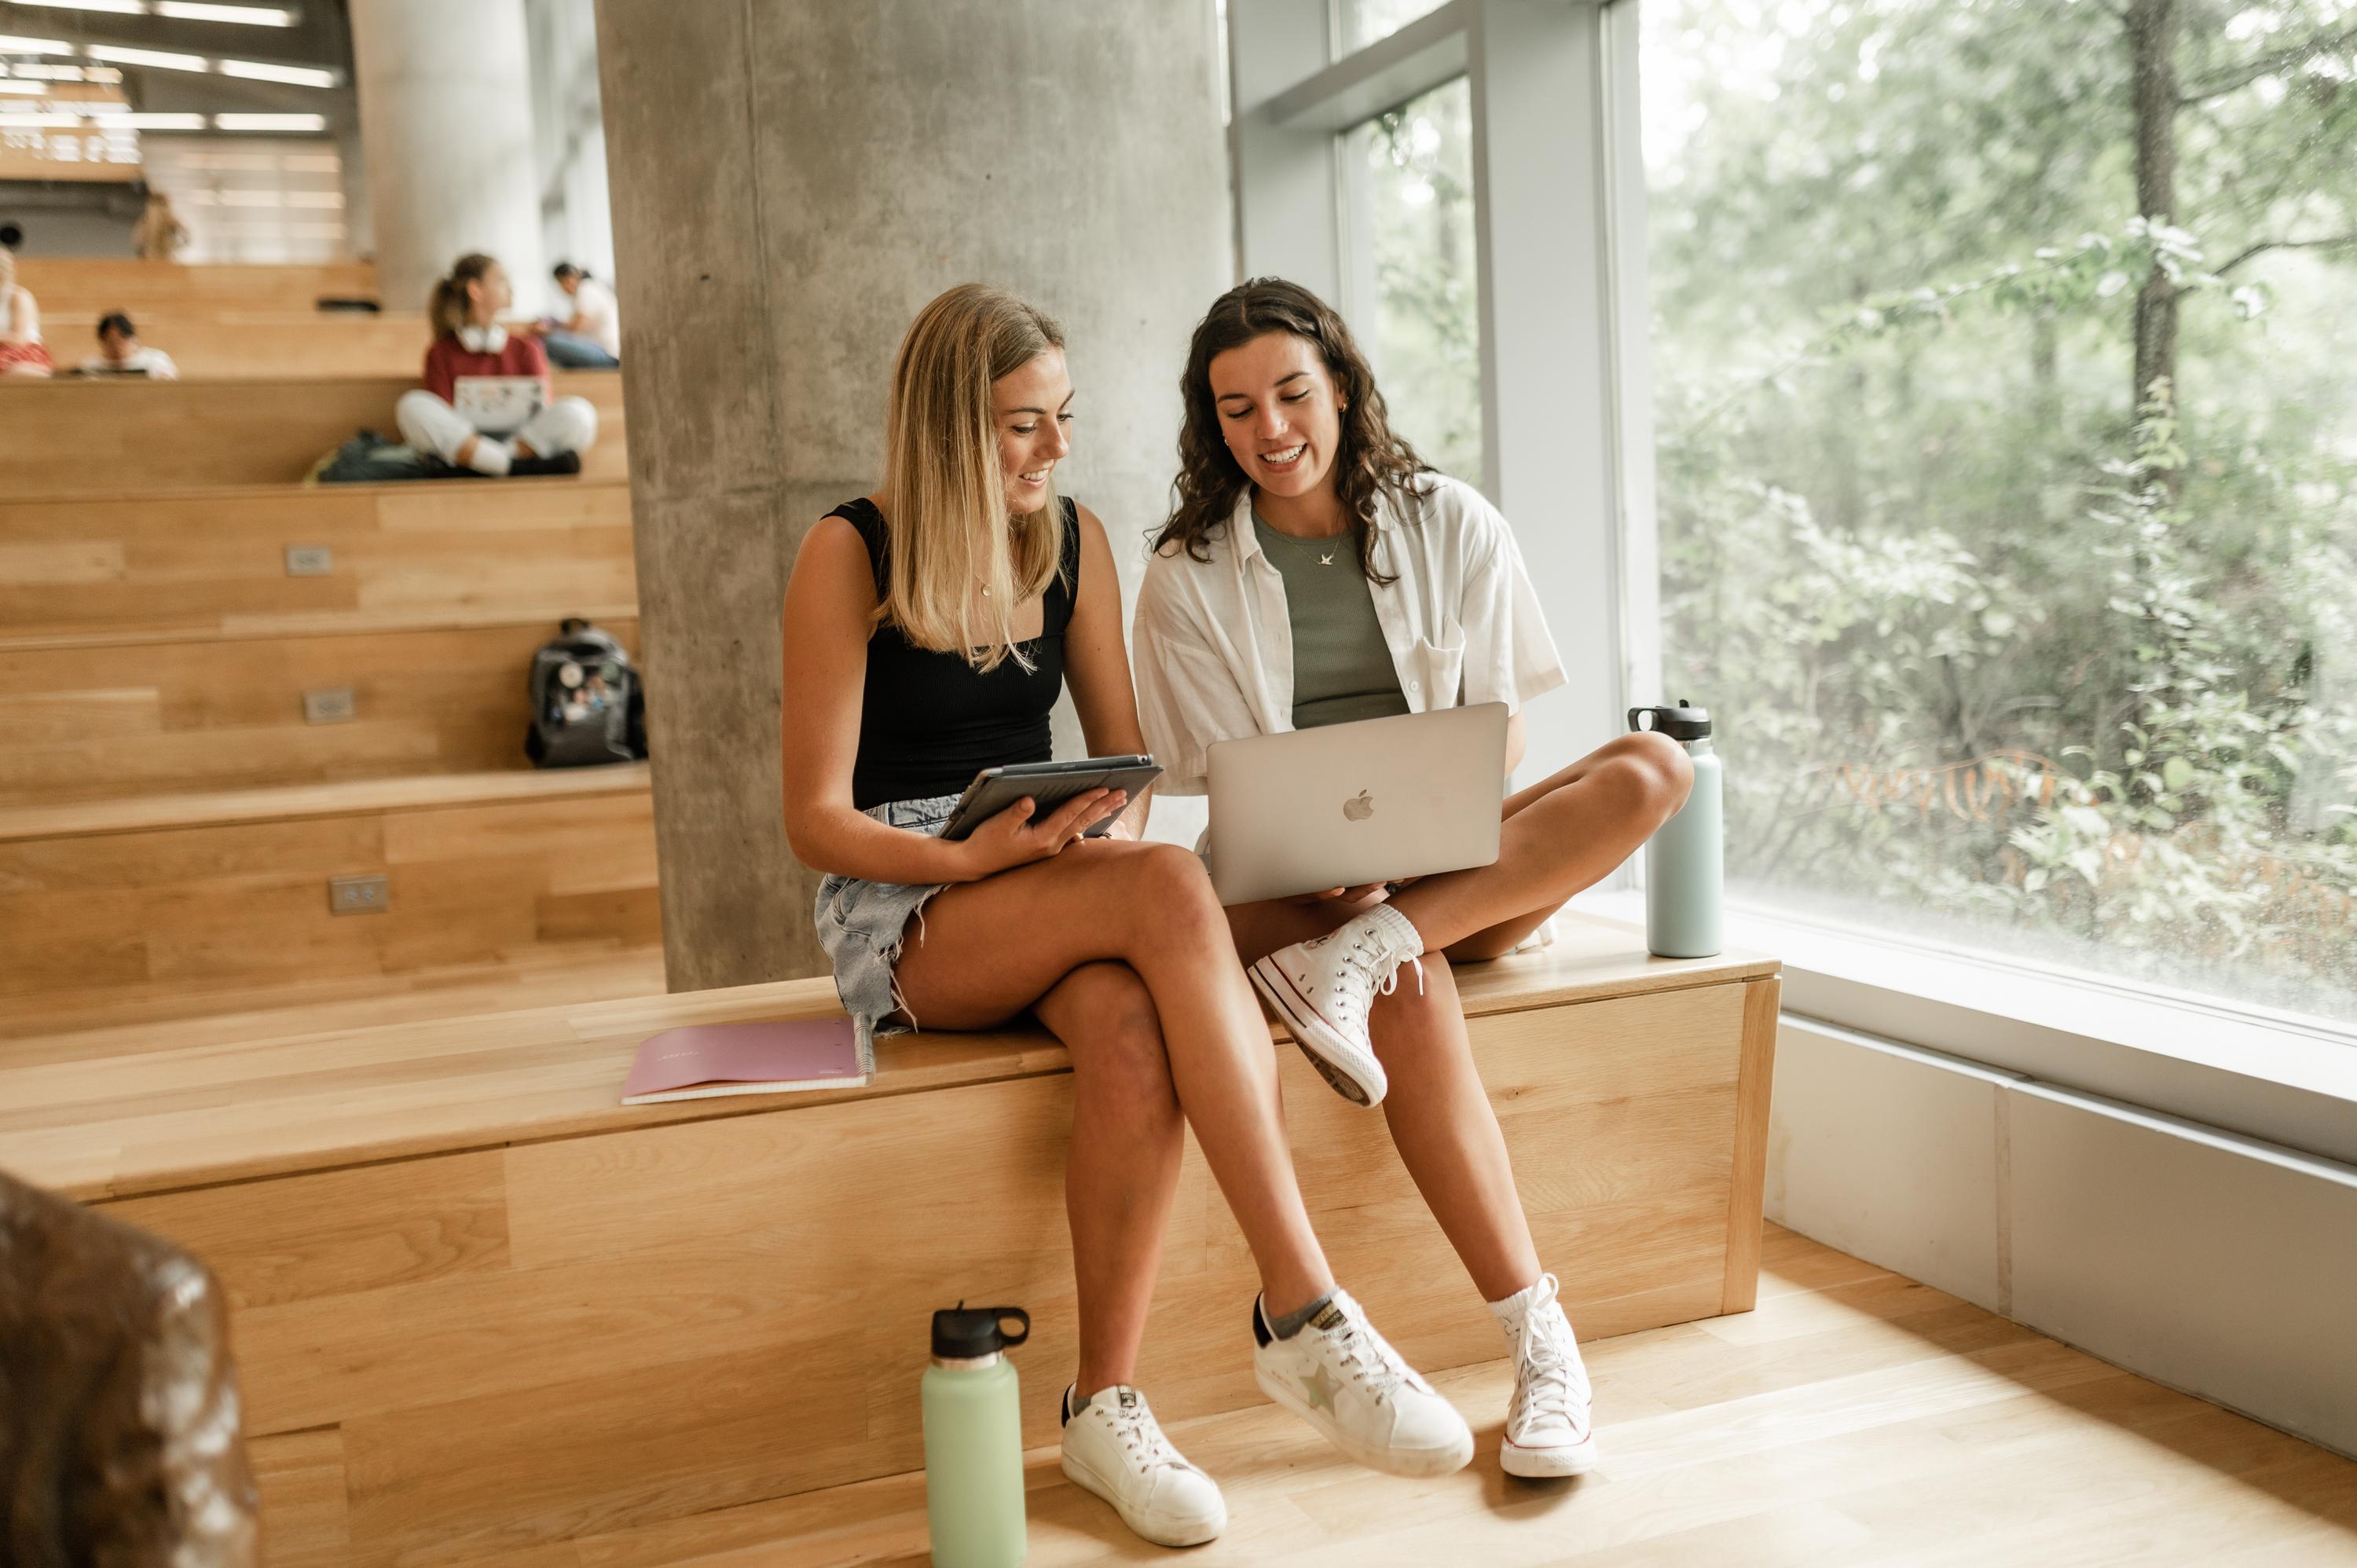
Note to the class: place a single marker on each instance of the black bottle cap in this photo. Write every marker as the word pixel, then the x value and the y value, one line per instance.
pixel 1684 722
pixel 965 1334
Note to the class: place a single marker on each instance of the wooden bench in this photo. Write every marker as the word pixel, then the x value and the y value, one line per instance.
pixel 109 720
pixel 69 437
pixel 185 903
pixel 90 285
pixel 228 344
pixel 482 1309
pixel 161 566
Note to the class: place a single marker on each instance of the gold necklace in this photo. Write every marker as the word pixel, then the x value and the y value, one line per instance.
pixel 1324 555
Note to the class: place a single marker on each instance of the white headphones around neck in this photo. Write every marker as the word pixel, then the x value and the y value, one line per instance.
pixel 483 339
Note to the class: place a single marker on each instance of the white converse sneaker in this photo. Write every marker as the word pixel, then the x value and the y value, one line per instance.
pixel 1549 1429
pixel 1339 1376
pixel 1323 988
pixel 1115 1449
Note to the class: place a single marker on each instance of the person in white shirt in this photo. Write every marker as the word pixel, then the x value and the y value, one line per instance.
pixel 21 353
pixel 122 354
pixel 1314 570
pixel 591 338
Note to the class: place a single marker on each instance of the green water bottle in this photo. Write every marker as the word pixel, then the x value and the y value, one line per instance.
pixel 1684 859
pixel 974 1438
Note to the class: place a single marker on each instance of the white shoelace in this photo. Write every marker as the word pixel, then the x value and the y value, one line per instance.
pixel 1142 1436
pixel 1554 1371
pixel 1369 1358
pixel 1363 956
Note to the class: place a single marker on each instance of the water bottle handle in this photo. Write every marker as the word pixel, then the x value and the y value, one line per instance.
pixel 1003 1314
pixel 1636 714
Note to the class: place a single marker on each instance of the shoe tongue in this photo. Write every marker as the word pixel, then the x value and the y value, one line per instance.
pixel 1330 1315
pixel 1129 1400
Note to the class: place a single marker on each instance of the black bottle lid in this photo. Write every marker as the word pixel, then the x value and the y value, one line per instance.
pixel 1684 722
pixel 966 1334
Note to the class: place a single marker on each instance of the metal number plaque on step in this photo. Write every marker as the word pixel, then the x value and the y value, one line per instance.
pixel 369 895
pixel 310 560
pixel 330 705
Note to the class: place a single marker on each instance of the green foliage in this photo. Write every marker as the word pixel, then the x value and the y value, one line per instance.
pixel 1998 655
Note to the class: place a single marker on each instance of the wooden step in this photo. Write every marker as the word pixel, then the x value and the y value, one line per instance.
pixel 116 566
pixel 256 345
pixel 483 1310
pixel 195 901
pixel 66 437
pixel 90 285
pixel 113 720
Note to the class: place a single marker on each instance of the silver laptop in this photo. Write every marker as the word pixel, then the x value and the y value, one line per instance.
pixel 1351 804
pixel 497 406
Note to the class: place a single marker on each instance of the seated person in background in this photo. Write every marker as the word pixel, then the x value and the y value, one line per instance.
pixel 591 338
pixel 122 354
pixel 486 403
pixel 21 353
pixel 159 236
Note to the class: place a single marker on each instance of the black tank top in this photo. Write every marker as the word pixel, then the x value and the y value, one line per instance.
pixel 929 721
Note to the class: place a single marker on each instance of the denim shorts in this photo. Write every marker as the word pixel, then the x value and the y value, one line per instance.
pixel 863 925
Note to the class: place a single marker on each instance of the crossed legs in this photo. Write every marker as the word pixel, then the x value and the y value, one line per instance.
pixel 1123 953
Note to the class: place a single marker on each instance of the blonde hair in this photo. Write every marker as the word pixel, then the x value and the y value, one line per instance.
pixel 948 530
pixel 447 305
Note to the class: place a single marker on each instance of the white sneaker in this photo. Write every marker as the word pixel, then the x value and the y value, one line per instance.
pixel 1115 1449
pixel 1549 1425
pixel 1323 988
pixel 1339 1376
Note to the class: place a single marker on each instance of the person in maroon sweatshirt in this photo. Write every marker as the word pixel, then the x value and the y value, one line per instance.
pixel 487 403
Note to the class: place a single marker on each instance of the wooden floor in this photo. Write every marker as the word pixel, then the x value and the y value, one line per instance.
pixel 1855 1418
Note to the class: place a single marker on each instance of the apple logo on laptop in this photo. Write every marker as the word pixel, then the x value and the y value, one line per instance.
pixel 1359 808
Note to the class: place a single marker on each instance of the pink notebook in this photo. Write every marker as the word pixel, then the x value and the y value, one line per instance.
pixel 708 1060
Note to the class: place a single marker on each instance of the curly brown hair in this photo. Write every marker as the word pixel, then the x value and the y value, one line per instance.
pixel 1374 462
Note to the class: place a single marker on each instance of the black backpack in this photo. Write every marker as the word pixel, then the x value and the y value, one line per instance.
pixel 587 705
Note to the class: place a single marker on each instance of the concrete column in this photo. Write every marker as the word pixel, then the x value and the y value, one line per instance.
pixel 791 181
pixel 446 122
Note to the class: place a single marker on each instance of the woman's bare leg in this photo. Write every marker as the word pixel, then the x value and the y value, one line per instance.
pixel 1122 1171
pixel 984 951
pixel 1566 832
pixel 1439 1114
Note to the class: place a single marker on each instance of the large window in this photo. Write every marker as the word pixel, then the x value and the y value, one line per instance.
pixel 1364 21
pixel 1416 209
pixel 2012 536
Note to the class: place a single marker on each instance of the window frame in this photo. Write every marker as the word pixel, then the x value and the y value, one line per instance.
pixel 1558 246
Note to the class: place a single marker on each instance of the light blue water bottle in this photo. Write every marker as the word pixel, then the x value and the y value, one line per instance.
pixel 973 1439
pixel 1685 858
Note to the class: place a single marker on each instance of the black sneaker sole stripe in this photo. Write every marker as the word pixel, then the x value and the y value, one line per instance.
pixel 1343 1084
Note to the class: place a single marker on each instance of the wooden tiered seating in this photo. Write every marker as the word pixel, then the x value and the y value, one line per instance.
pixel 256 345
pixel 73 438
pixel 179 897
pixel 482 1310
pixel 163 566
pixel 84 285
pixel 181 623
pixel 156 642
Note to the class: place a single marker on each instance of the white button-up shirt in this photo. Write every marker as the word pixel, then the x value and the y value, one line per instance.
pixel 1213 641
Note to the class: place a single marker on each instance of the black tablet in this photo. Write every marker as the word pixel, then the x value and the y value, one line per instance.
pixel 1049 785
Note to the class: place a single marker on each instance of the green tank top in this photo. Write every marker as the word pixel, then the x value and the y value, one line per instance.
pixel 1341 666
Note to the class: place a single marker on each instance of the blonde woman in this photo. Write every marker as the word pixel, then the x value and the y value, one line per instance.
pixel 21 353
pixel 487 403
pixel 1315 571
pixel 929 629
pixel 159 235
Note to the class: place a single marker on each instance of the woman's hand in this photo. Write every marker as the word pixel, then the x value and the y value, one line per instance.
pixel 1339 895
pixel 1011 838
